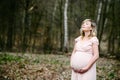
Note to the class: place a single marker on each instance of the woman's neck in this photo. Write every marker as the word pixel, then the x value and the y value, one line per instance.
pixel 87 33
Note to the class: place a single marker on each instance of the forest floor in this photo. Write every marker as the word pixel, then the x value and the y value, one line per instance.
pixel 50 67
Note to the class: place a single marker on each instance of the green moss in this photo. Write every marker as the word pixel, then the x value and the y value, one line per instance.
pixel 4 58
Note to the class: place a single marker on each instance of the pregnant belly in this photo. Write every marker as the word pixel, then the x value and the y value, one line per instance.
pixel 80 60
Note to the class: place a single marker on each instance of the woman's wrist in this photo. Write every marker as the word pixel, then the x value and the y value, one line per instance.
pixel 87 67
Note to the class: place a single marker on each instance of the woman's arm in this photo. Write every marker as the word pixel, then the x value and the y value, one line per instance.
pixel 74 49
pixel 93 59
pixel 73 52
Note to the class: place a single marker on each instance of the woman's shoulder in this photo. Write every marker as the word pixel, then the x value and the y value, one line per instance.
pixel 95 40
pixel 77 38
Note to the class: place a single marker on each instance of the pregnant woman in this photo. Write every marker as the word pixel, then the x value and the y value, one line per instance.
pixel 85 53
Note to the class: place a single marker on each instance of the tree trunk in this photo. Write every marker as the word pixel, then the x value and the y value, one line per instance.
pixel 61 26
pixel 65 27
pixel 26 26
pixel 11 24
pixel 99 12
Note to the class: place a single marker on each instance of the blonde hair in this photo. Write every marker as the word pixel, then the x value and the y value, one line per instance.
pixel 93 32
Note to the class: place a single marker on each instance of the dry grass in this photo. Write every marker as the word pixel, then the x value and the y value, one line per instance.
pixel 52 67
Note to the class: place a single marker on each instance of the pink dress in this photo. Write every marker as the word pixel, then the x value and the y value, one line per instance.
pixel 81 57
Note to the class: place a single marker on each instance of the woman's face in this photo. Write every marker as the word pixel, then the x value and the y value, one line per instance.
pixel 86 26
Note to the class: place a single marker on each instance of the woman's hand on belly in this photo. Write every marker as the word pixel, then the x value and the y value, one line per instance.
pixel 75 70
pixel 83 70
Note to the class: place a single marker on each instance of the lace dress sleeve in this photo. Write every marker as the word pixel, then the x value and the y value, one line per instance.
pixel 77 39
pixel 95 40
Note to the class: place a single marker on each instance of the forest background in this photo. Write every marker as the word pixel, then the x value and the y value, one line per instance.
pixel 50 26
